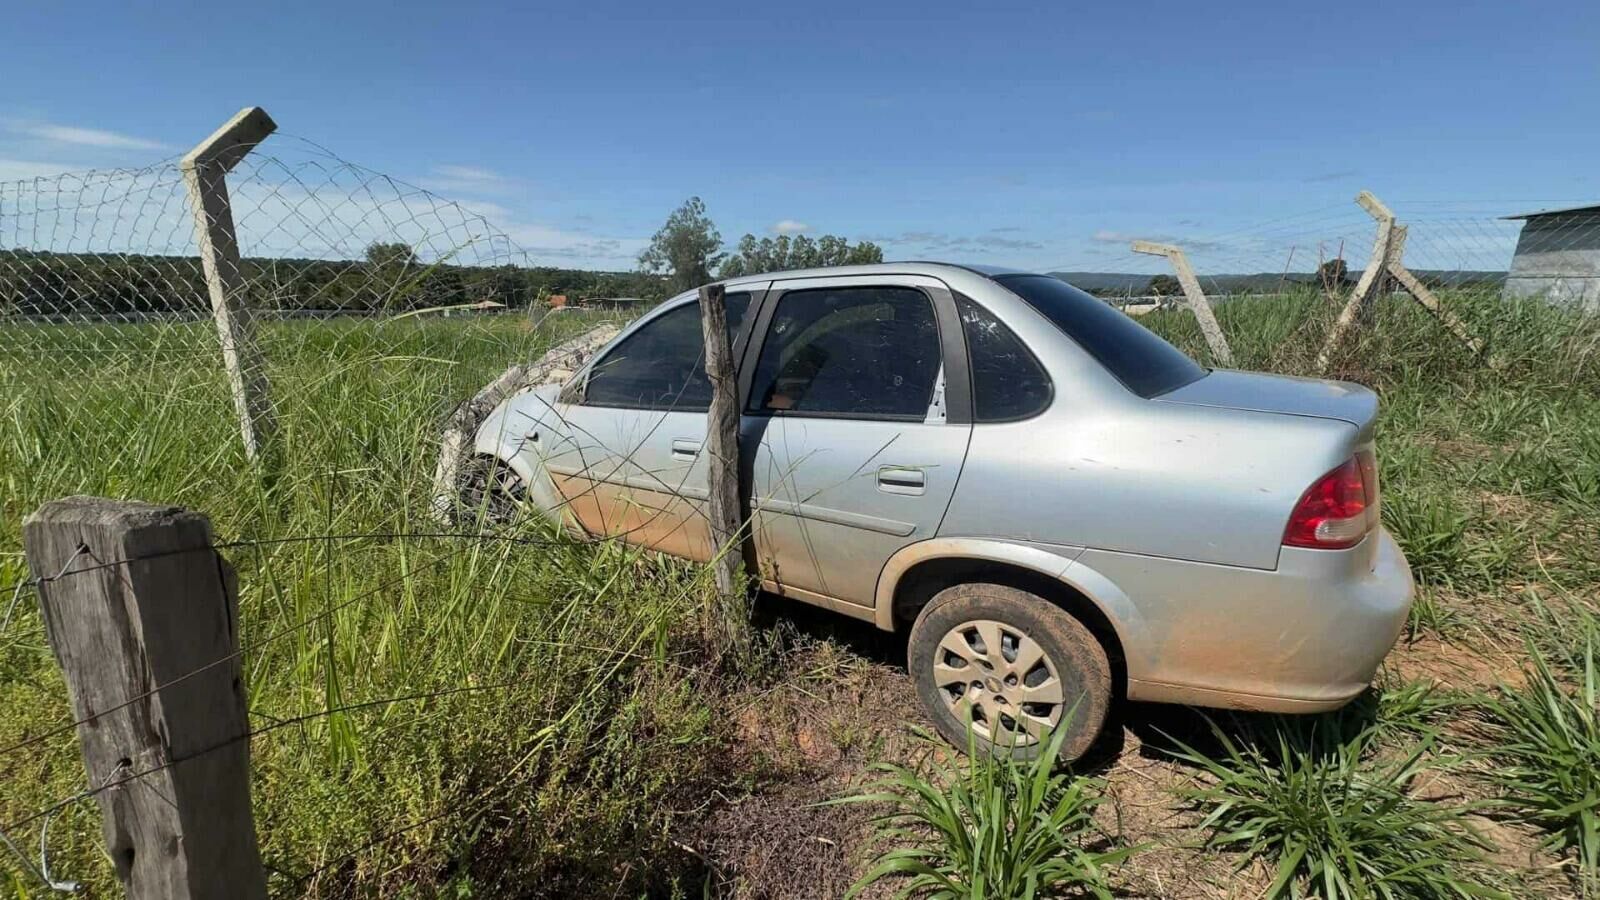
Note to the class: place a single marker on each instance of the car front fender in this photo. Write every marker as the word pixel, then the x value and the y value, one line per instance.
pixel 513 434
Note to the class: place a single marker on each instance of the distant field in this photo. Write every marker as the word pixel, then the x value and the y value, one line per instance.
pixel 607 746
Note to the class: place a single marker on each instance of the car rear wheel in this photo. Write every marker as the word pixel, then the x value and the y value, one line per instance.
pixel 1012 665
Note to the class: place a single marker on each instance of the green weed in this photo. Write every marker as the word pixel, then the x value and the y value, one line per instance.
pixel 1546 742
pixel 1332 823
pixel 988 826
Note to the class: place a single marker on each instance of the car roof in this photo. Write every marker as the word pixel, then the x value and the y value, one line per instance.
pixel 908 267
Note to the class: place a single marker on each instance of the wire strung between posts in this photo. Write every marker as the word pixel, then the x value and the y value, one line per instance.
pixel 111 781
pixel 16 595
pixel 42 871
pixel 46 735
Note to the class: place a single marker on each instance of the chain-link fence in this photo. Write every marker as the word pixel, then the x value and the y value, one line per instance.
pixel 374 307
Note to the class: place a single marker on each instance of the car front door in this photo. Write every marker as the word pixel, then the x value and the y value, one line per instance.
pixel 857 407
pixel 630 464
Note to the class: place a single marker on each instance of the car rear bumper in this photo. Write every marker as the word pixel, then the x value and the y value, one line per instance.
pixel 1305 637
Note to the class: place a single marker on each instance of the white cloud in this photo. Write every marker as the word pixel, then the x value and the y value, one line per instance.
pixel 457 179
pixel 1190 244
pixel 27 170
pixel 85 137
pixel 555 246
pixel 494 212
pixel 789 226
pixel 468 173
pixel 942 242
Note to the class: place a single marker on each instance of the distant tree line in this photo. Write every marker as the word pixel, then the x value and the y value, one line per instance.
pixel 389 278
pixel 688 247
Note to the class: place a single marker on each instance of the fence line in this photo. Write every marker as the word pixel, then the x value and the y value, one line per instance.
pixel 125 774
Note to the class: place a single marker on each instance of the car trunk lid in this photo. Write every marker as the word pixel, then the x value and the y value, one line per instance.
pixel 1282 394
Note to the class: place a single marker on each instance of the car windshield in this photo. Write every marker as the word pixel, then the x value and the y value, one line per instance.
pixel 1148 365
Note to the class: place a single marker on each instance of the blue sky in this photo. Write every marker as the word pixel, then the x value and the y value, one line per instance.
pixel 1042 135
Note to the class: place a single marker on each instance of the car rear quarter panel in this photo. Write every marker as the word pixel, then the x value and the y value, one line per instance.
pixel 1191 483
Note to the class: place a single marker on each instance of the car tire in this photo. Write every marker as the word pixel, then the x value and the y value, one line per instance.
pixel 492 493
pixel 1048 671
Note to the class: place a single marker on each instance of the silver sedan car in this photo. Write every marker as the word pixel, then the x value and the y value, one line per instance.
pixel 1058 507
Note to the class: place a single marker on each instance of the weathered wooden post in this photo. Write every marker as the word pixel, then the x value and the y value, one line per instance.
pixel 1198 304
pixel 147 635
pixel 205 171
pixel 728 622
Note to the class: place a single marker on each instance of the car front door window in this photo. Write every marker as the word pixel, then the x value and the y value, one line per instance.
pixel 857 352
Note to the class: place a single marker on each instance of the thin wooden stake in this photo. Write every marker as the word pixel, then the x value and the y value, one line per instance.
pixel 144 622
pixel 205 171
pixel 1431 303
pixel 722 469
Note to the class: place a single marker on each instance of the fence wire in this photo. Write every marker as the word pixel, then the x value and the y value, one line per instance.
pixel 374 304
pixel 1461 247
pixel 378 307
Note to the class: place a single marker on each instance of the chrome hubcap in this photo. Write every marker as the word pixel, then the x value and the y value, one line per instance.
pixel 1000 680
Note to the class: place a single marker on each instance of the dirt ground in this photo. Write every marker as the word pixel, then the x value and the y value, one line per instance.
pixel 844 701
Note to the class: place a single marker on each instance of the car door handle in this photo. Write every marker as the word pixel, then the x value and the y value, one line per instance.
pixel 685 450
pixel 893 480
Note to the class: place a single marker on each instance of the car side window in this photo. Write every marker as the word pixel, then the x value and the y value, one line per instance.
pixel 662 365
pixel 1008 383
pixel 868 352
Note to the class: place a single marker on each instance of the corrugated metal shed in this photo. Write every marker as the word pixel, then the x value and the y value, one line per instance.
pixel 1558 257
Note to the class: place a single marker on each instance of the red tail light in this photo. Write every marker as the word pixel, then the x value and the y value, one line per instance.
pixel 1339 509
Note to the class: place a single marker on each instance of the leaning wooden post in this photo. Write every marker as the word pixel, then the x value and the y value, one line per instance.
pixel 1196 297
pixel 205 171
pixel 1382 251
pixel 147 636
pixel 727 624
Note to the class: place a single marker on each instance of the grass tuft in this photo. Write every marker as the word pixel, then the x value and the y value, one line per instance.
pixel 990 826
pixel 1546 744
pixel 1332 823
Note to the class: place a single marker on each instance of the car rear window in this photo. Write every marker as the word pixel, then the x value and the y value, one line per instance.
pixel 1148 365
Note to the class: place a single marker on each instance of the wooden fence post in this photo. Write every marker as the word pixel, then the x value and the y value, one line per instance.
pixel 722 470
pixel 159 630
pixel 205 170
pixel 1196 297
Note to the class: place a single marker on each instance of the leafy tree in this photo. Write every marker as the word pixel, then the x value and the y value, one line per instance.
pixel 380 253
pixel 1333 274
pixel 1165 286
pixel 686 247
pixel 783 252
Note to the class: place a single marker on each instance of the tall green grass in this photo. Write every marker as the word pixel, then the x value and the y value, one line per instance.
pixel 561 709
pixel 550 716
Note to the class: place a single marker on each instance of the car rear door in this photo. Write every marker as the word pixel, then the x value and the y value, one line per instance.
pixel 857 407
pixel 630 465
